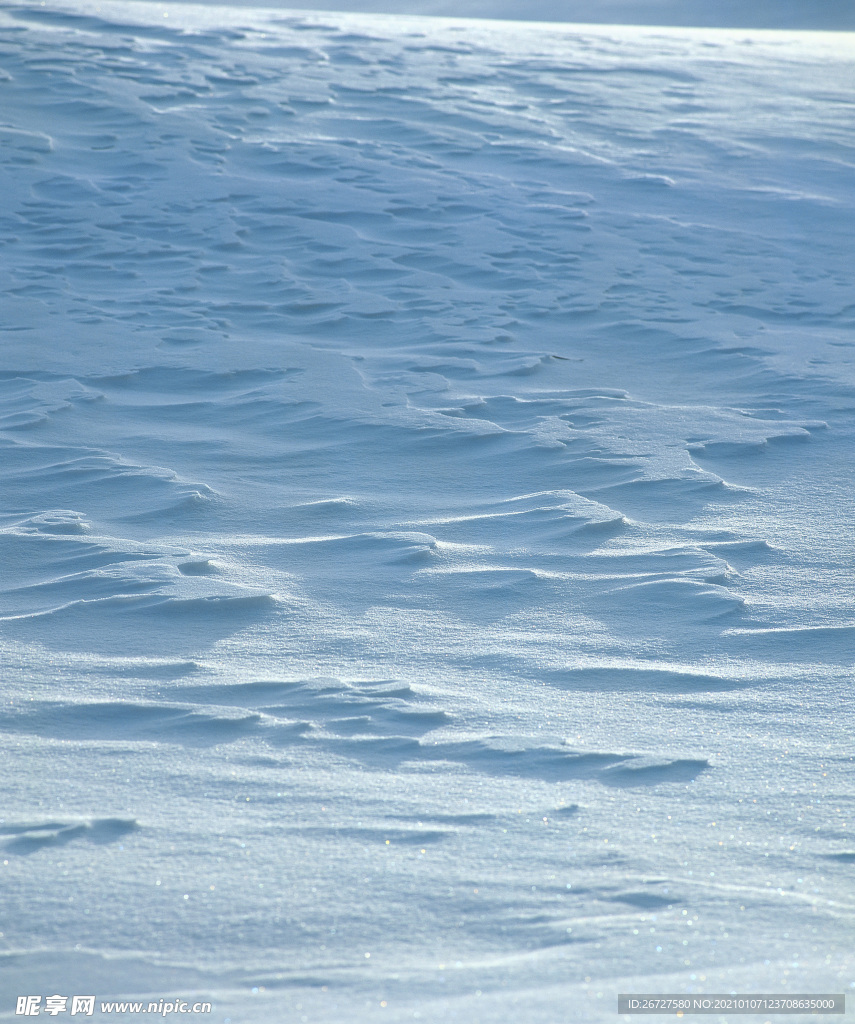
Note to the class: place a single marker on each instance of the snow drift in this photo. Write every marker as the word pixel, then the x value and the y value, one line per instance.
pixel 426 512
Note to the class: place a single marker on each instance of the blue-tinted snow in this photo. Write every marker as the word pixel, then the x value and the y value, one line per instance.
pixel 811 15
pixel 426 512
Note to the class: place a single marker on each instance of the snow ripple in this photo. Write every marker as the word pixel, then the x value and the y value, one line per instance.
pixel 426 456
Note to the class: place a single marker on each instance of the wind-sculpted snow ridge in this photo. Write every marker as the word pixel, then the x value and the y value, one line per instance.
pixel 426 512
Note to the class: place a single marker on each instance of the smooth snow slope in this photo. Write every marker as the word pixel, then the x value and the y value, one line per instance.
pixel 426 513
pixel 821 15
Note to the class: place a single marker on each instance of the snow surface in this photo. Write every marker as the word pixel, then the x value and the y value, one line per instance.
pixel 828 15
pixel 426 514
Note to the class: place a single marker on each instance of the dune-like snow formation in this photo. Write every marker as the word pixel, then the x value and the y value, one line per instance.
pixel 426 513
